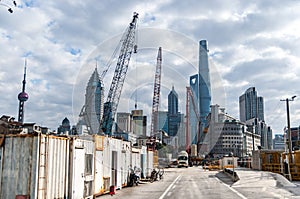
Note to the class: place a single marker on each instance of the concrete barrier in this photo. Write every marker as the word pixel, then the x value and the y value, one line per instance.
pixel 231 173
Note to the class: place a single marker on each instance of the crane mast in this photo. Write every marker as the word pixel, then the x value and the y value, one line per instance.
pixel 114 93
pixel 156 94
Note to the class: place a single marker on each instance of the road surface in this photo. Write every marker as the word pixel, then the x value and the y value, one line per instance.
pixel 194 182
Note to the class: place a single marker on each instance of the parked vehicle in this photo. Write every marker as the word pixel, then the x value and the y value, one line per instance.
pixel 134 177
pixel 183 159
pixel 157 174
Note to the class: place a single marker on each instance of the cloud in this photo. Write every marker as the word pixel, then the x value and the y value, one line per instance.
pixel 251 44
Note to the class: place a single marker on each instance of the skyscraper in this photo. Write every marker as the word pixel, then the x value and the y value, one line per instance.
pixel 173 102
pixel 92 111
pixel 139 122
pixel 251 106
pixel 194 85
pixel 204 82
pixel 173 114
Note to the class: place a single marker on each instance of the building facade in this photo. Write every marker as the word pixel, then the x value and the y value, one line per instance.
pixel 173 114
pixel 92 110
pixel 279 142
pixel 227 135
pixel 204 82
pixel 163 121
pixel 65 127
pixel 251 106
pixel 193 120
pixel 123 122
pixel 138 123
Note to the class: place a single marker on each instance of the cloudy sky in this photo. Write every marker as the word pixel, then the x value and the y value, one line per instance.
pixel 251 43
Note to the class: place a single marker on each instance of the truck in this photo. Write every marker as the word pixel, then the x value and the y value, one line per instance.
pixel 183 159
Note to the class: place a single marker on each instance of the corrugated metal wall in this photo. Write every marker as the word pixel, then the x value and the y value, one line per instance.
pixel 19 166
pixel 47 166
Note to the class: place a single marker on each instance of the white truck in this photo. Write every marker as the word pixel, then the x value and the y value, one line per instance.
pixel 183 159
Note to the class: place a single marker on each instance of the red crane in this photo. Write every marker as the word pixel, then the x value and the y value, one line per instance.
pixel 190 97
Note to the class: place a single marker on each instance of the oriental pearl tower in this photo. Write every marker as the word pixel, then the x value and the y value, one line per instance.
pixel 23 97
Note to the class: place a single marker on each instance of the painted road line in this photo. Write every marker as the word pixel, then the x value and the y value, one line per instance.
pixel 163 195
pixel 233 190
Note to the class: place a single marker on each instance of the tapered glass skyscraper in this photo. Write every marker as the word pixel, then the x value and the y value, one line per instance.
pixel 92 110
pixel 204 82
pixel 173 114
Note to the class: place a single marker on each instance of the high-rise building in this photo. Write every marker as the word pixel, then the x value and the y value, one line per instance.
pixel 123 122
pixel 173 102
pixel 173 114
pixel 92 111
pixel 139 123
pixel 204 82
pixel 163 121
pixel 193 120
pixel 279 142
pixel 251 106
pixel 228 135
pixel 65 127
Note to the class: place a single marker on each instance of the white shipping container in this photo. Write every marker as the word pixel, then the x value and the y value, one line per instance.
pixel 99 182
pixel 149 163
pixel 106 164
pixel 136 158
pixel 125 162
pixel 82 167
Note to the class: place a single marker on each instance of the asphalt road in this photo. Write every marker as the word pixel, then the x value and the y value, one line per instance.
pixel 194 182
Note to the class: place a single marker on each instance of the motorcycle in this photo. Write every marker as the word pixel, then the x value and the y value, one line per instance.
pixel 134 178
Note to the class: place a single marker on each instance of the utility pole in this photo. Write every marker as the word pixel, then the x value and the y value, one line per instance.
pixel 289 142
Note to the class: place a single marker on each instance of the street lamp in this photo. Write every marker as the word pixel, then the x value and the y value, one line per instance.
pixel 287 100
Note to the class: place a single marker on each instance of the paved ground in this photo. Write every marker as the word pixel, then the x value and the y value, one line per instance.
pixel 194 182
pixel 267 183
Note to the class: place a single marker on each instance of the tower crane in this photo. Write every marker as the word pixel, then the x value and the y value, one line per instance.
pixel 156 93
pixel 114 93
pixel 190 97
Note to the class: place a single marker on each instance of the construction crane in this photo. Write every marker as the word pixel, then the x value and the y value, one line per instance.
pixel 190 97
pixel 114 93
pixel 156 93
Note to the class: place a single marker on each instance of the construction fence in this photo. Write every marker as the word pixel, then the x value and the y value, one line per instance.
pixel 274 161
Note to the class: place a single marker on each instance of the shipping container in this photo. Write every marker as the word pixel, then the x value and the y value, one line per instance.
pixel 34 166
pixel 135 157
pixel 125 162
pixel 144 164
pixel 99 181
pixel 82 167
pixel 150 165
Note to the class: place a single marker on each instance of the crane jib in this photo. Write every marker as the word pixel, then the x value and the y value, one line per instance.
pixel 111 105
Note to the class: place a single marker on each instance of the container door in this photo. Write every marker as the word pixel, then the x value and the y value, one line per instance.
pixel 114 165
pixel 88 175
pixel 99 172
pixel 78 173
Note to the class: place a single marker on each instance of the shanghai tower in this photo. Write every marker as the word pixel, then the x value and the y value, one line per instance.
pixel 204 82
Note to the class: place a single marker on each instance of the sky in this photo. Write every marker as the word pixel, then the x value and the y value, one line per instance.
pixel 251 44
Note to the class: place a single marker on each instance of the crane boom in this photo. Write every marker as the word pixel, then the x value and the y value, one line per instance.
pixel 156 94
pixel 114 93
